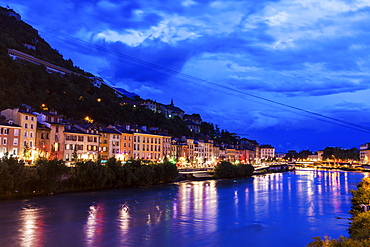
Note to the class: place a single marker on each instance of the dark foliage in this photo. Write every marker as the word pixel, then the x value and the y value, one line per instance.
pixel 225 169
pixel 54 176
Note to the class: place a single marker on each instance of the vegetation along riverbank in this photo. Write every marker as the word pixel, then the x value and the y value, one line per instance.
pixel 46 177
pixel 359 229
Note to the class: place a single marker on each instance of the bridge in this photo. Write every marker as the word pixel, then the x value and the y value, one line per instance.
pixel 197 172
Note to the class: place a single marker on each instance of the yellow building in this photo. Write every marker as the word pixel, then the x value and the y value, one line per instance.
pixel 126 141
pixel 81 143
pixel 27 120
pixel 147 146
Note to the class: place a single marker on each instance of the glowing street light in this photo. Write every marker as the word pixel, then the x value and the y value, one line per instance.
pixel 88 119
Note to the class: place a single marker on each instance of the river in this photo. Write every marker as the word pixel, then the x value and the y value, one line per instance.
pixel 280 209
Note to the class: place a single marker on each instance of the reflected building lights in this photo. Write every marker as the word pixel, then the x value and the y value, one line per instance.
pixel 94 224
pixel 31 232
pixel 124 220
pixel 91 224
pixel 198 200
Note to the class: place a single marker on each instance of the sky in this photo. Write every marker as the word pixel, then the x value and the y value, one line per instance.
pixel 293 74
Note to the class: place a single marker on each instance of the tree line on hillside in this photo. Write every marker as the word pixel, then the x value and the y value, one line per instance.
pixel 329 153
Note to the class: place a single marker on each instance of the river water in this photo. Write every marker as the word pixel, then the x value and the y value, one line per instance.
pixel 280 209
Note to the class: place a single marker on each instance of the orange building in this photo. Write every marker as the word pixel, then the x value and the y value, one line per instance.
pixel 9 138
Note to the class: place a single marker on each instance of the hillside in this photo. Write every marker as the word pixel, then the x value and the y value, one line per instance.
pixel 71 95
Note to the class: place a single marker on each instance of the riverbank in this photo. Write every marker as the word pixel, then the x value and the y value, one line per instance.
pixel 359 229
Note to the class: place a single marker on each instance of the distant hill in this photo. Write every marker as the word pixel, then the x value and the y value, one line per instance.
pixel 126 93
pixel 71 95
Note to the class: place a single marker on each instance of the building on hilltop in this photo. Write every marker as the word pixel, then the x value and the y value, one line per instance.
pixel 193 122
pixel 151 105
pixel 171 111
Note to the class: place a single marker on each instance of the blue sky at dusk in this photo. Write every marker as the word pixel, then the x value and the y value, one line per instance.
pixel 293 74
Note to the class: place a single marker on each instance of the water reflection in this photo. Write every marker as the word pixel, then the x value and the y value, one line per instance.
pixel 31 232
pixel 196 203
pixel 280 209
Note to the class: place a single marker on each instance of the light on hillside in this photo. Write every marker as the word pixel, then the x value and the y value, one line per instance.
pixel 88 119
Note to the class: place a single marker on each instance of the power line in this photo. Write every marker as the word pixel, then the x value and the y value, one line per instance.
pixel 134 60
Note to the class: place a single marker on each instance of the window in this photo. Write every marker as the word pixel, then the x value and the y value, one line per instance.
pixel 31 134
pixel 95 139
pixel 15 141
pixel 25 134
pixel 57 129
pixel 31 126
pixel 68 137
pixel 26 125
pixel 16 132
pixel 67 157
pixel 26 117
pixel 124 144
pixel 15 151
pixel 32 118
pixel 31 144
pixel 4 141
pixel 80 138
pixel 124 138
pixel 25 143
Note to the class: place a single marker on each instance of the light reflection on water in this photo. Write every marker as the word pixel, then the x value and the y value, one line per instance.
pixel 30 234
pixel 280 209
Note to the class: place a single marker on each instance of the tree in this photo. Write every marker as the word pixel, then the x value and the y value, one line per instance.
pixel 225 169
pixel 50 174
